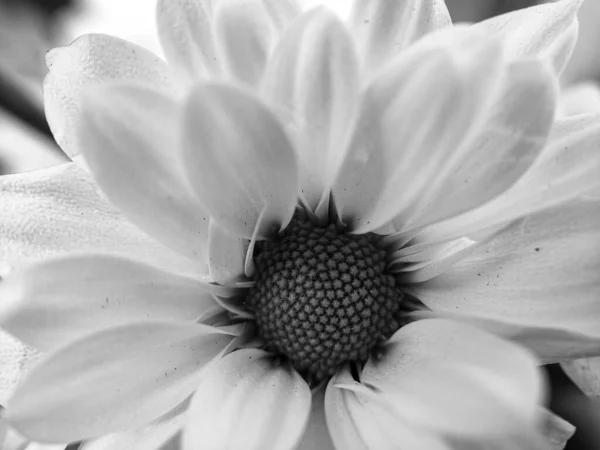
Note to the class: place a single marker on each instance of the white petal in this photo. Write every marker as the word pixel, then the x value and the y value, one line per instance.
pixel 185 30
pixel 542 272
pixel 246 32
pixel 130 135
pixel 15 359
pixel 113 380
pixel 547 31
pixel 58 301
pixel 92 60
pixel 557 430
pixel 248 400
pixel 316 435
pixel 412 122
pixel 312 83
pixel 453 378
pixel 149 437
pixel 384 28
pixel 500 152
pixel 567 168
pixel 586 374
pixel 583 98
pixel 239 160
pixel 58 211
pixel 226 254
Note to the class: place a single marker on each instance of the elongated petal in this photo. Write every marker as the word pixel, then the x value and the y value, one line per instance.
pixel 15 359
pixel 239 160
pixel 186 35
pixel 57 211
pixel 148 437
pixel 113 380
pixel 542 272
pixel 224 410
pixel 246 32
pixel 226 254
pixel 567 168
pixel 316 435
pixel 312 83
pixel 500 152
pixel 412 122
pixel 586 374
pixel 547 31
pixel 131 135
pixel 90 61
pixel 58 301
pixel 382 28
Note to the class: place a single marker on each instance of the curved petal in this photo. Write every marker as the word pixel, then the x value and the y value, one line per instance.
pixel 90 61
pixel 113 380
pixel 583 98
pixel 512 136
pixel 186 36
pixel 248 400
pixel 557 430
pixel 239 160
pixel 542 272
pixel 312 83
pixel 15 360
pixel 59 211
pixel 131 134
pixel 548 31
pixel 586 374
pixel 383 28
pixel 567 168
pixel 58 301
pixel 246 32
pixel 316 435
pixel 412 123
pixel 227 254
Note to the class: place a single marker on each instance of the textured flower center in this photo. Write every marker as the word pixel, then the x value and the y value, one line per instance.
pixel 323 297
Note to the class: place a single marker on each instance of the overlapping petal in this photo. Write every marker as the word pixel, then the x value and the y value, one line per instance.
pixel 383 28
pixel 60 210
pixel 91 61
pixel 438 383
pixel 246 32
pixel 586 374
pixel 113 380
pixel 58 301
pixel 413 123
pixel 227 254
pixel 312 83
pixel 583 98
pixel 546 31
pixel 239 160
pixel 223 412
pixel 131 136
pixel 542 272
pixel 316 434
pixel 185 30
pixel 15 359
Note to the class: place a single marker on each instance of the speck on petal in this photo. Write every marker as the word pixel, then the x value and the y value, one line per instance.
pixel 383 28
pixel 239 160
pixel 15 359
pixel 93 60
pixel 131 135
pixel 113 380
pixel 246 32
pixel 546 31
pixel 540 275
pixel 57 301
pixel 311 82
pixel 185 29
pixel 412 122
pixel 248 400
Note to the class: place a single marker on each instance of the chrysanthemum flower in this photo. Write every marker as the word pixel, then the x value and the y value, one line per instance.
pixel 339 234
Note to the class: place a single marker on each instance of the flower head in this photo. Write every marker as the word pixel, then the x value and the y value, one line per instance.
pixel 318 214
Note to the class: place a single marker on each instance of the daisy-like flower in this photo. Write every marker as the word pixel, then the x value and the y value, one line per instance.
pixel 340 233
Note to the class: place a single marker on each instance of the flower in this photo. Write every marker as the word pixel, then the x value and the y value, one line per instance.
pixel 293 212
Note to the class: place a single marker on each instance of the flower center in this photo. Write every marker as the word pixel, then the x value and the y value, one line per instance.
pixel 323 297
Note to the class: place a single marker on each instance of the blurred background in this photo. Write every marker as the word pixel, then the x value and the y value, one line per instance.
pixel 29 28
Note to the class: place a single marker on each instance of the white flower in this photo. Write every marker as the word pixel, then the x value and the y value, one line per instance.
pixel 302 201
